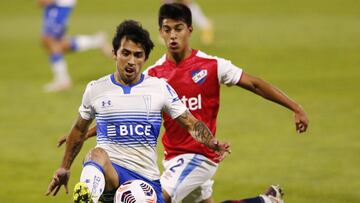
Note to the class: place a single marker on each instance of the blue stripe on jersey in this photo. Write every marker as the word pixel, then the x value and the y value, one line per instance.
pixel 128 113
pixel 143 116
pixel 128 145
pixel 126 88
pixel 132 112
pixel 194 162
pixel 129 116
pixel 128 120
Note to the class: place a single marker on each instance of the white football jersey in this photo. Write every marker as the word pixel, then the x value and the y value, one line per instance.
pixel 129 118
pixel 65 3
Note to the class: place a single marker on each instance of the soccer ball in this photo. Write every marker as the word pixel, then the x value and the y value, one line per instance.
pixel 135 191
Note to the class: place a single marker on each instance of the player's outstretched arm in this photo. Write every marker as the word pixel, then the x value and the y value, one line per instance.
pixel 272 93
pixel 200 132
pixel 91 133
pixel 74 143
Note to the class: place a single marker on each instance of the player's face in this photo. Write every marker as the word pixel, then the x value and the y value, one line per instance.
pixel 130 57
pixel 176 35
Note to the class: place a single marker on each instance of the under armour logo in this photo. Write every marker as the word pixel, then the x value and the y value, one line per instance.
pixel 106 103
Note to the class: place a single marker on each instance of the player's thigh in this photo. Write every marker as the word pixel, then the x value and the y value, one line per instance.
pixel 185 173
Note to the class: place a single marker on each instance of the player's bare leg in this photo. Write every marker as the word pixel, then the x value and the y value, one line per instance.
pixel 167 198
pixel 56 49
pixel 61 80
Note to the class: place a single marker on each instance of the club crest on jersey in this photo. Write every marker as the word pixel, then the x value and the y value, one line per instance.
pixel 199 76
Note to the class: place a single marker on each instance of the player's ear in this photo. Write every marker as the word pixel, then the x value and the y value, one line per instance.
pixel 113 54
pixel 190 29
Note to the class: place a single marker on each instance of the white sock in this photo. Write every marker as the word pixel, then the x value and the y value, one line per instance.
pixel 60 71
pixel 198 16
pixel 85 42
pixel 266 199
pixel 93 176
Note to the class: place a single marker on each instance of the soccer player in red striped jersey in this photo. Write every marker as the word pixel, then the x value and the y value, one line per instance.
pixel 196 77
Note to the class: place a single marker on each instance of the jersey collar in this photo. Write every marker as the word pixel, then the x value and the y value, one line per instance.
pixel 126 88
pixel 184 61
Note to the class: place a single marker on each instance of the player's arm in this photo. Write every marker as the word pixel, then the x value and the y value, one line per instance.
pixel 74 143
pixel 201 133
pixel 272 93
pixel 90 133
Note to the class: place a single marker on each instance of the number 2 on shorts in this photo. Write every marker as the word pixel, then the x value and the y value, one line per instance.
pixel 179 163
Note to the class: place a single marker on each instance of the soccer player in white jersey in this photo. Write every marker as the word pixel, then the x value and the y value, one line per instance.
pixel 127 106
pixel 55 20
pixel 196 77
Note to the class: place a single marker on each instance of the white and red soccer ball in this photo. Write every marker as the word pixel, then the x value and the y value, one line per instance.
pixel 135 191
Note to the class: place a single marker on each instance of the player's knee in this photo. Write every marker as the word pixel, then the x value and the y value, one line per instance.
pixel 46 43
pixel 98 155
pixel 51 45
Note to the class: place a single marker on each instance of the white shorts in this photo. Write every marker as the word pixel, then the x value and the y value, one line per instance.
pixel 187 177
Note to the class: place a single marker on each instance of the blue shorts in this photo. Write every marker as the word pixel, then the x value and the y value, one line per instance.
pixel 125 175
pixel 55 21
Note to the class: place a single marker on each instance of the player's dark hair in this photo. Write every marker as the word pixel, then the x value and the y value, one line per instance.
pixel 133 31
pixel 175 11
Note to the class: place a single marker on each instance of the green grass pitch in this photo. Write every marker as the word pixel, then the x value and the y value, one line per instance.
pixel 310 49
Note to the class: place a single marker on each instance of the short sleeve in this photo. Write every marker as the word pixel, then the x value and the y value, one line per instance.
pixel 228 73
pixel 173 105
pixel 86 109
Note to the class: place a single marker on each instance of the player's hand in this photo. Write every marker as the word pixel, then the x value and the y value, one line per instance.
pixel 62 140
pixel 222 149
pixel 60 177
pixel 301 120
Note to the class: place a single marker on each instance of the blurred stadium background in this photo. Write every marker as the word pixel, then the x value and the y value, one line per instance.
pixel 310 49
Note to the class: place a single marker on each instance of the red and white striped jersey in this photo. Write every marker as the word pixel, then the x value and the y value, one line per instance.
pixel 197 81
